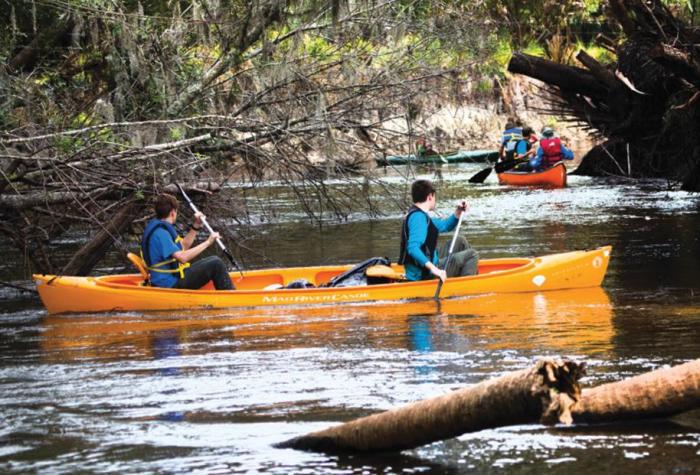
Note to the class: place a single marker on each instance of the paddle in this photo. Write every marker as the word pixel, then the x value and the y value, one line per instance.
pixel 500 167
pixel 449 253
pixel 211 231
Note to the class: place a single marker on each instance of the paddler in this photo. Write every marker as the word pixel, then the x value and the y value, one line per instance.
pixel 419 238
pixel 424 148
pixel 551 151
pixel 512 133
pixel 168 256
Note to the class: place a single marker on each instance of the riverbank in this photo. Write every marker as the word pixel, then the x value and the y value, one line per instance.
pixel 473 123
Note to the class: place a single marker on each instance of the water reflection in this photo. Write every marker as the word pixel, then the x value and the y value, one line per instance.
pixel 570 320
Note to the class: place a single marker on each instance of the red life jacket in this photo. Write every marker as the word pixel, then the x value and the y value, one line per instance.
pixel 551 151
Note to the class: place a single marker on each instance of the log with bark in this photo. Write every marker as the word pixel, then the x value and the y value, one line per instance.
pixel 549 392
pixel 90 254
pixel 644 107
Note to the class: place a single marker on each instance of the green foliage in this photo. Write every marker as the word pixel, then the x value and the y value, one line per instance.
pixel 602 55
pixel 503 52
pixel 177 133
pixel 534 48
pixel 484 86
pixel 68 145
pixel 687 10
pixel 318 48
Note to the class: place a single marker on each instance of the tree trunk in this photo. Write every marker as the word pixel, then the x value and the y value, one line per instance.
pixel 564 77
pixel 661 393
pixel 548 392
pixel 90 254
pixel 542 392
pixel 647 100
pixel 45 41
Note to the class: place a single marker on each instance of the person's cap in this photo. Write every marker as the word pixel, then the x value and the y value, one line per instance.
pixel 547 132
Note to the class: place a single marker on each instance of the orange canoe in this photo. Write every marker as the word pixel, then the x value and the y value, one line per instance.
pixel 554 177
pixel 570 270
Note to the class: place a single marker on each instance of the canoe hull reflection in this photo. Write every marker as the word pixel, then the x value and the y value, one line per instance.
pixel 568 320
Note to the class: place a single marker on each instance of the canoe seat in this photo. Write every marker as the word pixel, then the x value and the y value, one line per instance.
pixel 138 263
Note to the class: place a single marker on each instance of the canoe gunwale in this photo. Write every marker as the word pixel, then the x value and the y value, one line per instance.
pixel 104 281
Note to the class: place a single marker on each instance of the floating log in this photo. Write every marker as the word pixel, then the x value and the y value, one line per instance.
pixel 542 393
pixel 546 393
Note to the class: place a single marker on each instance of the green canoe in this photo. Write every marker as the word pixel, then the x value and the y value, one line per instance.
pixel 460 156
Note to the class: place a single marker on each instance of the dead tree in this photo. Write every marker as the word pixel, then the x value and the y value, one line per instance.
pixel 232 90
pixel 549 392
pixel 645 106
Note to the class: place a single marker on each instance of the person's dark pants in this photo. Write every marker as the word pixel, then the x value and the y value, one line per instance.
pixel 464 260
pixel 198 274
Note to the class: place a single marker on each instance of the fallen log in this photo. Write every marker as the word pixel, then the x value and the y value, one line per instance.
pixel 661 393
pixel 90 254
pixel 541 393
pixel 567 78
pixel 546 393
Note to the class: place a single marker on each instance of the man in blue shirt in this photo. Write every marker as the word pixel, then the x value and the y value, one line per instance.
pixel 419 238
pixel 168 256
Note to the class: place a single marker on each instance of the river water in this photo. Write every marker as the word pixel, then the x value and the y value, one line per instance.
pixel 212 391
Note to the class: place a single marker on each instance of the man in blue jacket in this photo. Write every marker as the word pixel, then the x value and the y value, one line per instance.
pixel 419 238
pixel 167 255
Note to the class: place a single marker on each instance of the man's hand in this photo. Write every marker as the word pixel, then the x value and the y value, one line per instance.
pixel 463 207
pixel 439 273
pixel 198 218
pixel 213 237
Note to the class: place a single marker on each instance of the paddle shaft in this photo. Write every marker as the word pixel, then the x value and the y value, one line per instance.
pixel 449 253
pixel 505 165
pixel 500 167
pixel 209 228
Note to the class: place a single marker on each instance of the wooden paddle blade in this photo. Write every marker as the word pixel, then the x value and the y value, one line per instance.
pixel 480 176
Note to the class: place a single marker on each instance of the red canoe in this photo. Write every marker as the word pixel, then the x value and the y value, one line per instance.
pixel 554 177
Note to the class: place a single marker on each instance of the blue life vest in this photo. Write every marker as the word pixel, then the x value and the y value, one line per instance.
pixel 510 139
pixel 168 266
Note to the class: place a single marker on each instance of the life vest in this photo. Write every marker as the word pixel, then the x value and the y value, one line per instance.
pixel 551 151
pixel 511 155
pixel 169 266
pixel 510 139
pixel 428 246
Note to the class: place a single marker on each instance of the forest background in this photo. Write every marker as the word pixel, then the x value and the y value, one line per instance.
pixel 105 102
